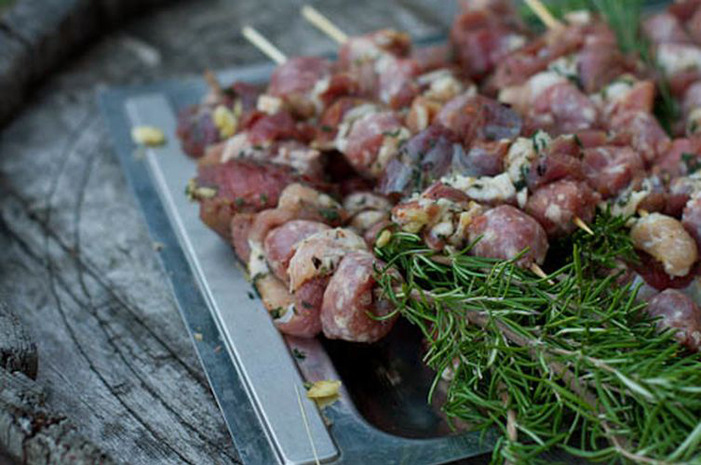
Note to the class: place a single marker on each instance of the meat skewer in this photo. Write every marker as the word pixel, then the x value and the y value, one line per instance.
pixel 554 179
pixel 329 28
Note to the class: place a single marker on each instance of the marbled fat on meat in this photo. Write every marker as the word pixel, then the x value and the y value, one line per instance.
pixel 505 232
pixel 352 298
pixel 279 244
pixel 610 169
pixel 237 186
pixel 319 254
pixel 556 205
pixel 678 312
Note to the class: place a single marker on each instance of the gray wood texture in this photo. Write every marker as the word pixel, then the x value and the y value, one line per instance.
pixel 76 262
pixel 32 434
pixel 38 35
pixel 17 351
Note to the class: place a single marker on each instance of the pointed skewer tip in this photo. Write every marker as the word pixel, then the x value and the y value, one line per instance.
pixel 581 224
pixel 538 271
pixel 212 81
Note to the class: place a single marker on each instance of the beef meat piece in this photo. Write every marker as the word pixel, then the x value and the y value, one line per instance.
pixel 610 169
pixel 422 160
pixel 279 244
pixel 506 232
pixel 556 205
pixel 237 186
pixel 475 117
pixel 678 312
pixel 351 300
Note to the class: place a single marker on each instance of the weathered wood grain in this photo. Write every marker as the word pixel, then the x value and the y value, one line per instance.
pixel 29 432
pixel 32 434
pixel 38 35
pixel 17 351
pixel 76 262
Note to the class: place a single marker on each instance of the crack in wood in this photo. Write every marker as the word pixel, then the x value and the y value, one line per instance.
pixel 94 273
pixel 57 279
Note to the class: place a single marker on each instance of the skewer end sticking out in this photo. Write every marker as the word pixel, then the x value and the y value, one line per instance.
pixel 544 14
pixel 581 224
pixel 213 82
pixel 263 44
pixel 538 271
pixel 324 24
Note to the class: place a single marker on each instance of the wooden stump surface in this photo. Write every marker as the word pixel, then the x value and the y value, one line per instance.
pixel 76 262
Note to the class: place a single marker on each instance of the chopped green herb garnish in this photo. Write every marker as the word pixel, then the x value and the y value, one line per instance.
pixel 329 214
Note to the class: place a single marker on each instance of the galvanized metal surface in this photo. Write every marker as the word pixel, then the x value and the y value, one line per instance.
pixel 382 417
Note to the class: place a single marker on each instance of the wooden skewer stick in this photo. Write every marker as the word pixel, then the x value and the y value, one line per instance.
pixel 213 82
pixel 581 224
pixel 324 24
pixel 264 45
pixel 544 14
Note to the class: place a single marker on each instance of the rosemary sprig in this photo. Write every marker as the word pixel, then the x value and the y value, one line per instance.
pixel 574 365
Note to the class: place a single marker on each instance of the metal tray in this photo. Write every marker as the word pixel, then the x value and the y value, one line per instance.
pixel 382 416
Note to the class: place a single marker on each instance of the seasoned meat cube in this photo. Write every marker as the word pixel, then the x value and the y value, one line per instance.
pixel 505 232
pixel 610 169
pixel 666 240
pixel 480 39
pixel 557 204
pixel 352 298
pixel 279 244
pixel 475 117
pixel 372 141
pixel 319 254
pixel 422 160
pixel 237 186
pixel 302 319
pixel 678 312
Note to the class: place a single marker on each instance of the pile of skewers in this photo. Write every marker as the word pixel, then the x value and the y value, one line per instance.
pixel 390 138
pixel 496 147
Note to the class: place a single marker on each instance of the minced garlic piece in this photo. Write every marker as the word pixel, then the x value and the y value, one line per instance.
pixel 323 389
pixel 148 135
pixel 269 104
pixel 225 121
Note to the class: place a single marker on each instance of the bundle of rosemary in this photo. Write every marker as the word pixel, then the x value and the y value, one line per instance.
pixel 568 362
